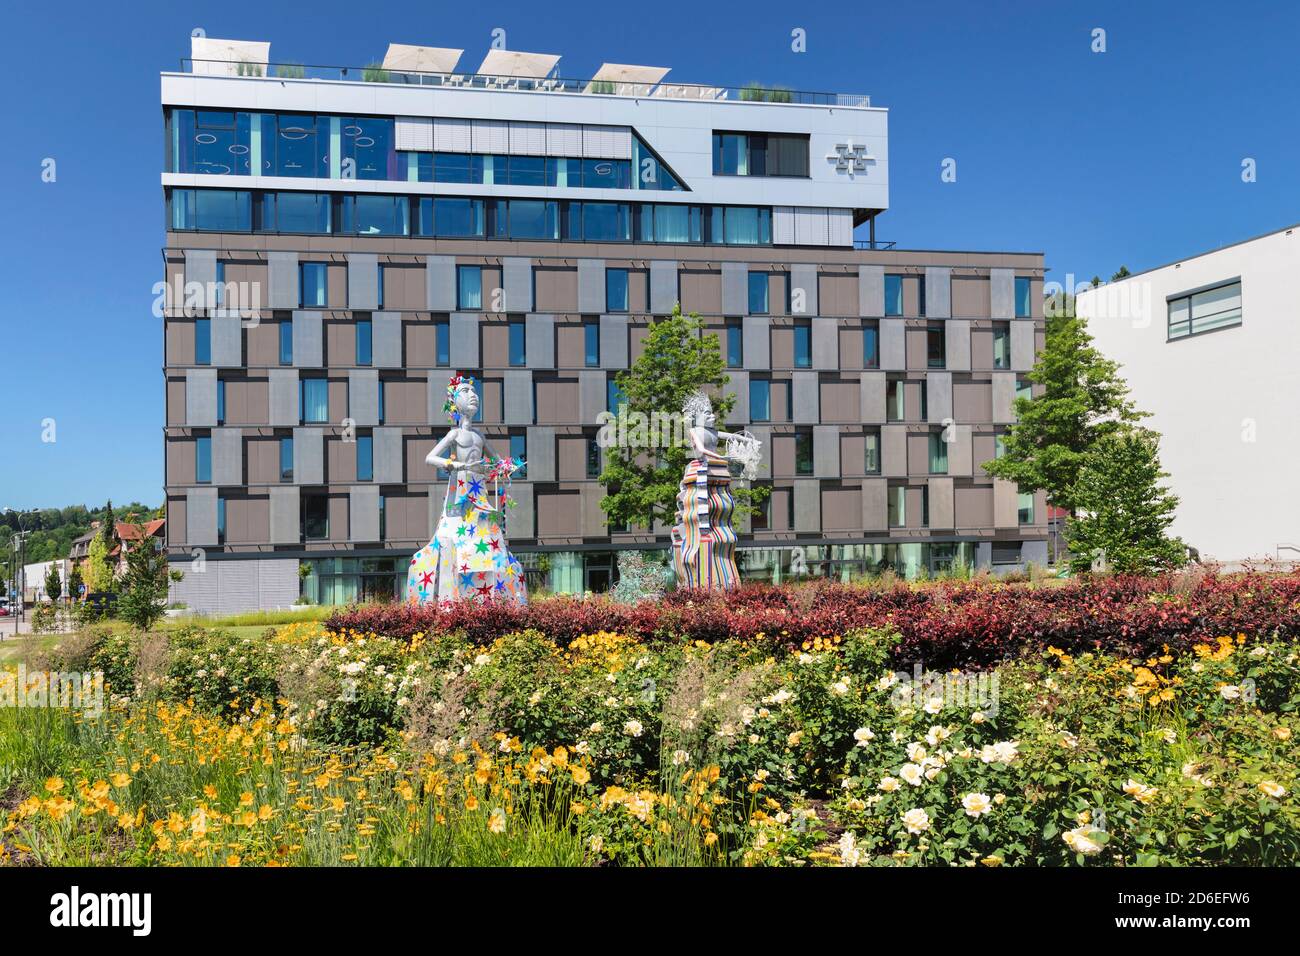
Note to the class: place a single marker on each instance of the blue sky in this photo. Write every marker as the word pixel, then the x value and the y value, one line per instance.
pixel 1130 156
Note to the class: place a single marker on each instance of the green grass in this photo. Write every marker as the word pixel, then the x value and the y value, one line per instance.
pixel 260 619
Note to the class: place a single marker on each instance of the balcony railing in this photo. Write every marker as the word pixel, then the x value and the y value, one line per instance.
pixel 873 244
pixel 751 93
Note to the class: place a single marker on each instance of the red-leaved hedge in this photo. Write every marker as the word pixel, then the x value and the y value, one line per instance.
pixel 941 625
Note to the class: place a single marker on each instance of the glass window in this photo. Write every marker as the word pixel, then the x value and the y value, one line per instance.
pixel 897 506
pixel 296 212
pixel 871 444
pixel 518 346
pixel 369 143
pixel 735 345
pixel 519 450
pixel 219 286
pixel 760 400
pixel 315 400
pixel 383 387
pixel 442 341
pixel 1026 507
pixel 870 345
pixel 803 452
pixel 286 459
pixel 286 341
pixel 920 295
pixel 758 289
pixel 925 506
pixel 730 154
pixel 533 219
pixel 365 458
pixel 1205 311
pixel 895 397
pixel 295 147
pixel 221 401
pixel 312 287
pixel 383 517
pixel 936 355
pixel 999 444
pixel 379 286
pixel 604 173
pixel 614 397
pixel 742 225
pixel 365 341
pixel 457 168
pixel 603 222
pixel 893 295
pixel 1024 388
pixel 938 454
pixel 367 215
pixel 1022 297
pixel 593 457
pixel 203 460
pixel 452 218
pixel 591 344
pixel 212 210
pixel 803 345
pixel 616 290
pixel 671 223
pixel 1002 345
pixel 221 520
pixel 315 516
pixel 469 288
pixel 202 341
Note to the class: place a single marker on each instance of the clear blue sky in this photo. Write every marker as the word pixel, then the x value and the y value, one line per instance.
pixel 1132 156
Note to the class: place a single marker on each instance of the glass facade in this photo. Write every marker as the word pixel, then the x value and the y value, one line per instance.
pixel 365 458
pixel 518 347
pixel 202 341
pixel 469 288
pixel 1022 297
pixel 802 345
pixel 314 400
pixel 735 345
pixel 870 345
pixel 591 344
pixel 203 460
pixel 365 341
pixel 760 400
pixel 1002 345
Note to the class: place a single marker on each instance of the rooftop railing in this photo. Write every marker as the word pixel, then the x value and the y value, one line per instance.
pixel 750 93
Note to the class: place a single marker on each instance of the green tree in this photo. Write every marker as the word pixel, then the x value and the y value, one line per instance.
pixel 75 582
pixel 98 570
pixel 1124 510
pixel 106 529
pixel 1084 399
pixel 678 358
pixel 1122 274
pixel 53 583
pixel 144 584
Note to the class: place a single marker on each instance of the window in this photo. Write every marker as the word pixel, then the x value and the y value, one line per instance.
pixel 895 397
pixel 893 295
pixel 526 219
pixel 379 287
pixel 591 344
pixel 1002 345
pixel 314 400
pixel 442 341
pixel 383 517
pixel 735 345
pixel 1024 388
pixel 803 452
pixel 871 445
pixel 308 213
pixel 675 223
pixel 365 458
pixel 803 345
pixel 925 400
pixel 600 221
pixel 375 215
pixel 760 400
pixel 1022 297
pixel 1026 507
pixel 311 285
pixel 615 290
pixel 999 444
pixel 315 516
pixel 286 341
pixel 1205 311
pixel 936 355
pixel 202 341
pixel 518 343
pixel 758 290
pixel 221 401
pixel 938 454
pixel 221 520
pixel 519 450
pixel 920 295
pixel 469 288
pixel 286 459
pixel 593 457
pixel 212 210
pixel 379 415
pixel 925 506
pixel 760 154
pixel 451 218
pixel 1006 552
pixel 614 397
pixel 871 345
pixel 203 460
pixel 365 341
pixel 219 286
pixel 740 225
pixel 897 506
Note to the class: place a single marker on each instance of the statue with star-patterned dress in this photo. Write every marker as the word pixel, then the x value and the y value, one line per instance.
pixel 469 557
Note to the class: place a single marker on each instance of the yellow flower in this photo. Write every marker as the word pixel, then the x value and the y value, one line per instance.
pixel 580 775
pixel 497 821
pixel 264 812
pixel 210 792
pixel 54 784
pixel 1273 789
pixel 120 779
pixel 245 799
pixel 992 861
pixel 471 802
pixel 232 860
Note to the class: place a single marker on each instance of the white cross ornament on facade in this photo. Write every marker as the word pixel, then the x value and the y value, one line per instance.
pixel 849 158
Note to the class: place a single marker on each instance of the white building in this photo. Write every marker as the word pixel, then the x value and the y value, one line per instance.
pixel 33 579
pixel 1208 347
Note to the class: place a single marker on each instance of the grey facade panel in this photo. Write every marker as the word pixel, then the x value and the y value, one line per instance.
pixel 440 283
pixel 308 339
pixel 517 283
pixel 286 518
pixel 871 292
pixel 308 456
pixel 232 587
pixel 386 339
pixel 282 388
pixel 1022 345
pixel 363 513
pixel 227 456
pixel 826 451
pixel 663 285
pixel 539 340
pixel 1006 504
pixel 1002 293
pixel 893 345
pixel 518 397
pixel 1034 552
pixel 613 341
pixel 807 505
pixel 735 288
pixel 941 503
pixel 463 340
pixel 541 453
pixel 803 289
pixel 938 292
pixel 201 397
pixel 939 397
pixel 893 451
pixel 806 399
pixel 201 517
pixel 363 280
pixel 519 519
pixel 764 435
pixel 282 280
pixel 960 452
pixel 1004 398
pixel 872 391
pixel 363 397
pixel 227 341
pixel 591 286
pixel 438 380
pixel 825 343
pixel 875 504
pixel 957 344
pixel 738 386
pixel 756 342
pixel 201 267
pixel 388 448
pixel 592 397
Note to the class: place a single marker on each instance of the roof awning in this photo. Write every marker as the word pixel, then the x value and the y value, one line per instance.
pixel 628 79
pixel 402 58
pixel 515 63
pixel 221 57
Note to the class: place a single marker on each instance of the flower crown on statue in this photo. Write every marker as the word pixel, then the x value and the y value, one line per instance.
pixel 449 406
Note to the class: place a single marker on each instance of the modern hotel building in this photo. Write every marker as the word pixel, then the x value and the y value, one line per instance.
pixel 384 228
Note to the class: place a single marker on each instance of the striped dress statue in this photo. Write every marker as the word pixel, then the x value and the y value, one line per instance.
pixel 704 542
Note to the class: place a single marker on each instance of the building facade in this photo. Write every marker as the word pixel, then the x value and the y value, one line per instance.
pixel 339 245
pixel 1206 345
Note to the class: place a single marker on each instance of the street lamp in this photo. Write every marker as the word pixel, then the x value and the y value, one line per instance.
pixel 19 547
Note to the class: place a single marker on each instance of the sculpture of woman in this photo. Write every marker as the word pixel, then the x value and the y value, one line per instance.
pixel 469 557
pixel 704 542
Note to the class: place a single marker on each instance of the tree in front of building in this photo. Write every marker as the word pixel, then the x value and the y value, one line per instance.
pixel 75 582
pixel 53 583
pixel 1083 400
pixel 1124 511
pixel 641 479
pixel 144 584
pixel 98 569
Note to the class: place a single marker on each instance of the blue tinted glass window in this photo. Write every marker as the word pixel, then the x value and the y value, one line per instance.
pixel 518 349
pixel 522 170
pixel 730 155
pixel 286 342
pixel 202 342
pixel 221 520
pixel 1022 297
pixel 803 346
pixel 614 397
pixel 221 402
pixel 870 346
pixel 203 460
pixel 286 459
pixel 469 287
pixel 457 168
pixel 365 458
pixel 368 142
pixel 533 219
pixel 365 338
pixel 665 223
pixel 519 449
pixel 382 389
pixel 760 400
pixel 457 217
pixel 758 289
pixel 297 212
pixel 605 174
pixel 296 147
pixel 312 284
pixel 442 342
pixel 606 222
pixel 591 344
pixel 616 290
pixel 212 210
pixel 735 346
pixel 893 295
pixel 375 215
pixel 315 400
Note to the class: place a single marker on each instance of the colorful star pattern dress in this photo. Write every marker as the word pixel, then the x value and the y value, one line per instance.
pixel 469 558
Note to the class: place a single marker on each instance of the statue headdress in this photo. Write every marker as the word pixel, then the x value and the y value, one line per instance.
pixel 449 406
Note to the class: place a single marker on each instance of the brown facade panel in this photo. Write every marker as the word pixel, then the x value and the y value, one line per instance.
pixel 973 506
pixel 970 297
pixel 556 289
pixel 841 508
pixel 701 291
pixel 838 294
pixel 841 401
pixel 248 519
pixel 559 514
pixel 262 460
pixel 406 401
pixel 557 400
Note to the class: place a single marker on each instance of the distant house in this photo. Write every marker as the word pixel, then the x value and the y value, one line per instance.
pixel 80 549
pixel 129 536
